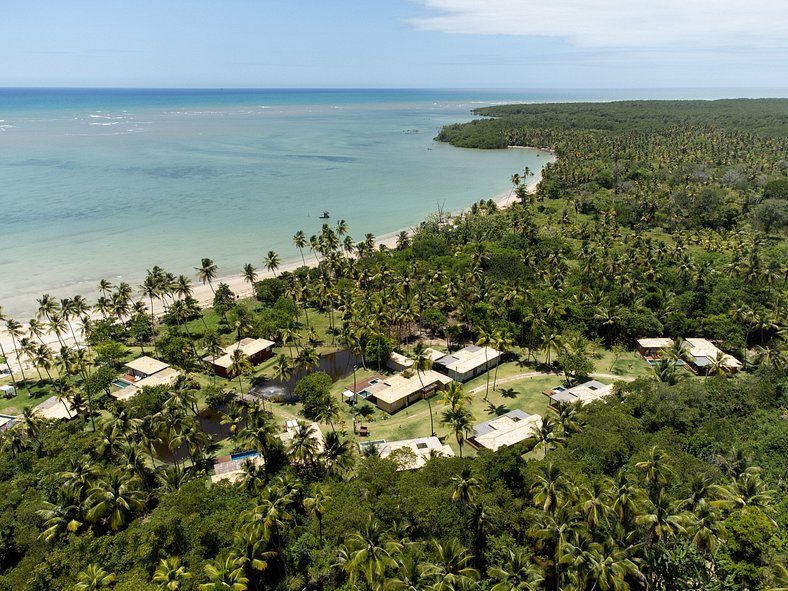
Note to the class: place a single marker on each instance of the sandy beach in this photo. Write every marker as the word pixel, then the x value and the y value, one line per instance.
pixel 204 294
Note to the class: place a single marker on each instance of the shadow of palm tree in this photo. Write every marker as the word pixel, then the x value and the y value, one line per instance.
pixel 508 392
pixel 499 410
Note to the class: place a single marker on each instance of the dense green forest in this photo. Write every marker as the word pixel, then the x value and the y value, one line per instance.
pixel 656 219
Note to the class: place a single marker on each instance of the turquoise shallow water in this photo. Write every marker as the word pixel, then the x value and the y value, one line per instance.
pixel 107 183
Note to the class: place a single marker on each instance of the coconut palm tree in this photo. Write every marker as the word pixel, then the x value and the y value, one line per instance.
pixel 518 573
pixel 15 331
pixel 368 554
pixel 460 420
pixel 300 242
pixel 547 435
pixel 303 447
pixel 4 318
pixel 271 261
pixel 170 574
pixel 239 366
pixel 316 505
pixel 94 577
pixel 249 274
pixel 206 272
pixel 422 363
pixel 226 575
pixel 282 367
pixel 113 498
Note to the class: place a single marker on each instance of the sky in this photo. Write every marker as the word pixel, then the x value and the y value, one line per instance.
pixel 395 43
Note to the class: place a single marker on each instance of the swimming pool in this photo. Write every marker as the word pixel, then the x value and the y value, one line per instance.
pixel 121 383
pixel 242 455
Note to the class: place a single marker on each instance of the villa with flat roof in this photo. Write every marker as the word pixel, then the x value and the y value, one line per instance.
pixel 704 352
pixel 256 350
pixel 509 429
pixel 54 409
pixel 399 362
pixel 468 363
pixel 651 347
pixel 392 393
pixel 583 393
pixel 417 451
pixel 144 366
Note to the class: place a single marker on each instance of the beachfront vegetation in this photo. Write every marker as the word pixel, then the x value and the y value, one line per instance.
pixel 656 219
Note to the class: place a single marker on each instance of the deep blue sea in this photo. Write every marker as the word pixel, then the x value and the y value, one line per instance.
pixel 107 183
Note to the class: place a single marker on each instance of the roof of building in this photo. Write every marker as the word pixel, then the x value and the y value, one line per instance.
pixel 433 354
pixel 52 408
pixel 583 393
pixel 232 470
pixel 249 347
pixel 705 351
pixel 655 343
pixel 165 377
pixel 397 387
pixel 423 448
pixel 506 430
pixel 401 360
pixel 147 365
pixel 468 359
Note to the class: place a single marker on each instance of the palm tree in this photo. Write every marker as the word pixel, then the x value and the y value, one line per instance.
pixel 15 331
pixel 369 553
pixel 518 573
pixel 303 447
pixel 94 577
pixel 611 566
pixel 170 574
pixel 300 242
pixel 239 366
pixel 450 569
pixel 656 470
pixel 316 505
pixel 225 576
pixel 422 363
pixel 552 344
pixel 460 420
pixel 206 272
pixel 3 318
pixel 546 435
pixel 249 274
pixel 113 499
pixel 282 367
pixel 483 338
pixel 272 261
pixel 502 342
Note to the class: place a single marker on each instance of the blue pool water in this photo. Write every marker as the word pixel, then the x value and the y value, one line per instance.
pixel 242 455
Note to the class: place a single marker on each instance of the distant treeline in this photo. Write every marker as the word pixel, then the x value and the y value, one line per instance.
pixel 768 117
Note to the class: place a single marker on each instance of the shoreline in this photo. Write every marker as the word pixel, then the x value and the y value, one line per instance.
pixel 242 290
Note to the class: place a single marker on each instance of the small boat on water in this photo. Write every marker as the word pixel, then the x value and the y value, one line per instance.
pixel 324 215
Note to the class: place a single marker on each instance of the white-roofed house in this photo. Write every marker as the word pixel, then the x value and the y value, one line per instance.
pixel 704 353
pixel 582 393
pixel 468 363
pixel 509 429
pixel 392 393
pixel 412 454
pixel 650 347
pixel 145 366
pixel 398 362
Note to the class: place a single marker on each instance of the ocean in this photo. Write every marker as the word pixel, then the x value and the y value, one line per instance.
pixel 107 183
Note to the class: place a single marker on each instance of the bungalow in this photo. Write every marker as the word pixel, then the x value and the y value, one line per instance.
pixel 144 366
pixel 704 352
pixel 468 363
pixel 391 393
pixel 164 377
pixel 509 429
pixel 399 362
pixel 54 409
pixel 583 393
pixel 649 348
pixel 231 468
pixel 256 350
pixel 417 451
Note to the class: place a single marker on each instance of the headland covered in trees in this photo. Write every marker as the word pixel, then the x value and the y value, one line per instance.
pixel 658 219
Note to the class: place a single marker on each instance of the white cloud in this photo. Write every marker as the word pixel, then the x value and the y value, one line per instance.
pixel 618 23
